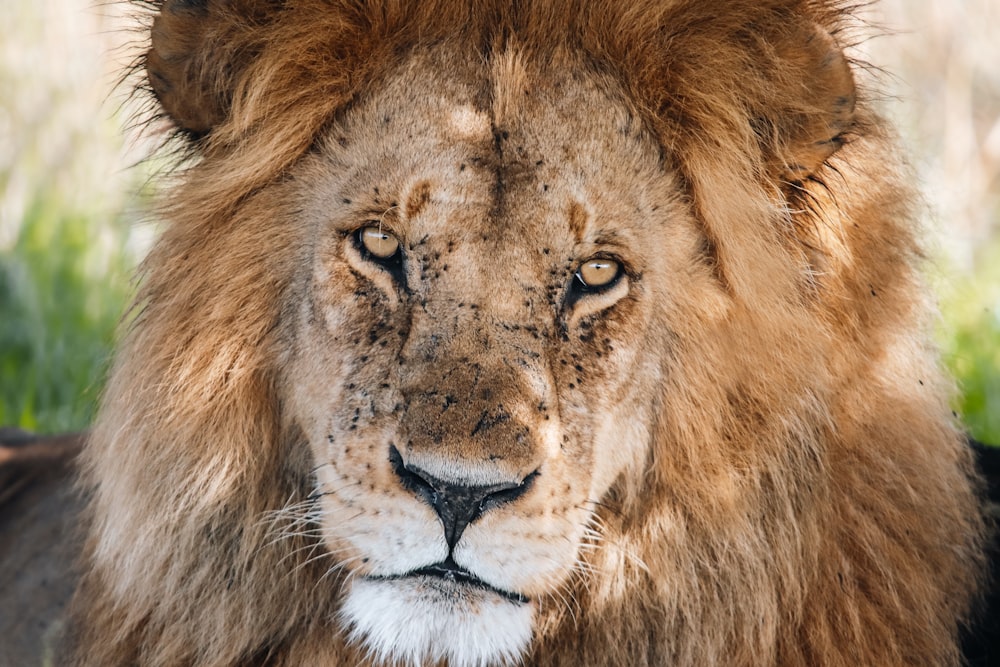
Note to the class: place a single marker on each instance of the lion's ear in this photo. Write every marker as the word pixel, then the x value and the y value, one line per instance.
pixel 192 66
pixel 819 84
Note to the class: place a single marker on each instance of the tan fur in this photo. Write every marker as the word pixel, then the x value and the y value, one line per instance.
pixel 745 451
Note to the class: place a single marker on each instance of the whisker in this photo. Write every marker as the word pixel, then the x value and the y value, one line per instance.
pixel 318 493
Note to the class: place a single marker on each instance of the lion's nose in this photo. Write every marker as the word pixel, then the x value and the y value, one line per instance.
pixel 457 505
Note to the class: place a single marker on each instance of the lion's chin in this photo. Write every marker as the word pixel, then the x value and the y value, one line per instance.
pixel 420 620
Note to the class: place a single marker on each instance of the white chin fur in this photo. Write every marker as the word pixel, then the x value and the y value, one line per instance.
pixel 421 620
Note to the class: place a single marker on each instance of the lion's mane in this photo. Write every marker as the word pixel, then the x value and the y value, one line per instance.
pixel 803 504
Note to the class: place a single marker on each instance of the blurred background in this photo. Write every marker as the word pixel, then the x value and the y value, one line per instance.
pixel 74 191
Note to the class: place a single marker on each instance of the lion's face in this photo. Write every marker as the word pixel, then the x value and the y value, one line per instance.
pixel 477 345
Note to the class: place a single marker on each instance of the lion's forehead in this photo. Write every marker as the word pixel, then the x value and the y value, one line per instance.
pixel 520 162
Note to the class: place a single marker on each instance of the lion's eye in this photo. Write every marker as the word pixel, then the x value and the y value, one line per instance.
pixel 379 244
pixel 598 273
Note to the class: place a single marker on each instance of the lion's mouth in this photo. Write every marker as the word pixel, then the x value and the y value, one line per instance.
pixel 451 573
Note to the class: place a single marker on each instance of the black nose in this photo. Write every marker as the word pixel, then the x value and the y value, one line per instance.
pixel 456 505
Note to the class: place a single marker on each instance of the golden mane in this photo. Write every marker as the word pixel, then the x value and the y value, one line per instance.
pixel 802 503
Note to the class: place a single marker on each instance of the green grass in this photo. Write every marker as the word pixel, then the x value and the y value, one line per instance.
pixel 61 296
pixel 65 251
pixel 970 341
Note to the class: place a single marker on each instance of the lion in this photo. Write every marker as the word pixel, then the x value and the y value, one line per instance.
pixel 538 333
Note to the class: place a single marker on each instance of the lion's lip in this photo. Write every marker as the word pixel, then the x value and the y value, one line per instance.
pixel 450 571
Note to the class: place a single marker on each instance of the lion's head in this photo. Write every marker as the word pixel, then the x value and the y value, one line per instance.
pixel 561 333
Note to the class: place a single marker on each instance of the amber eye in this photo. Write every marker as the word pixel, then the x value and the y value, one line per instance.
pixel 598 273
pixel 380 244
